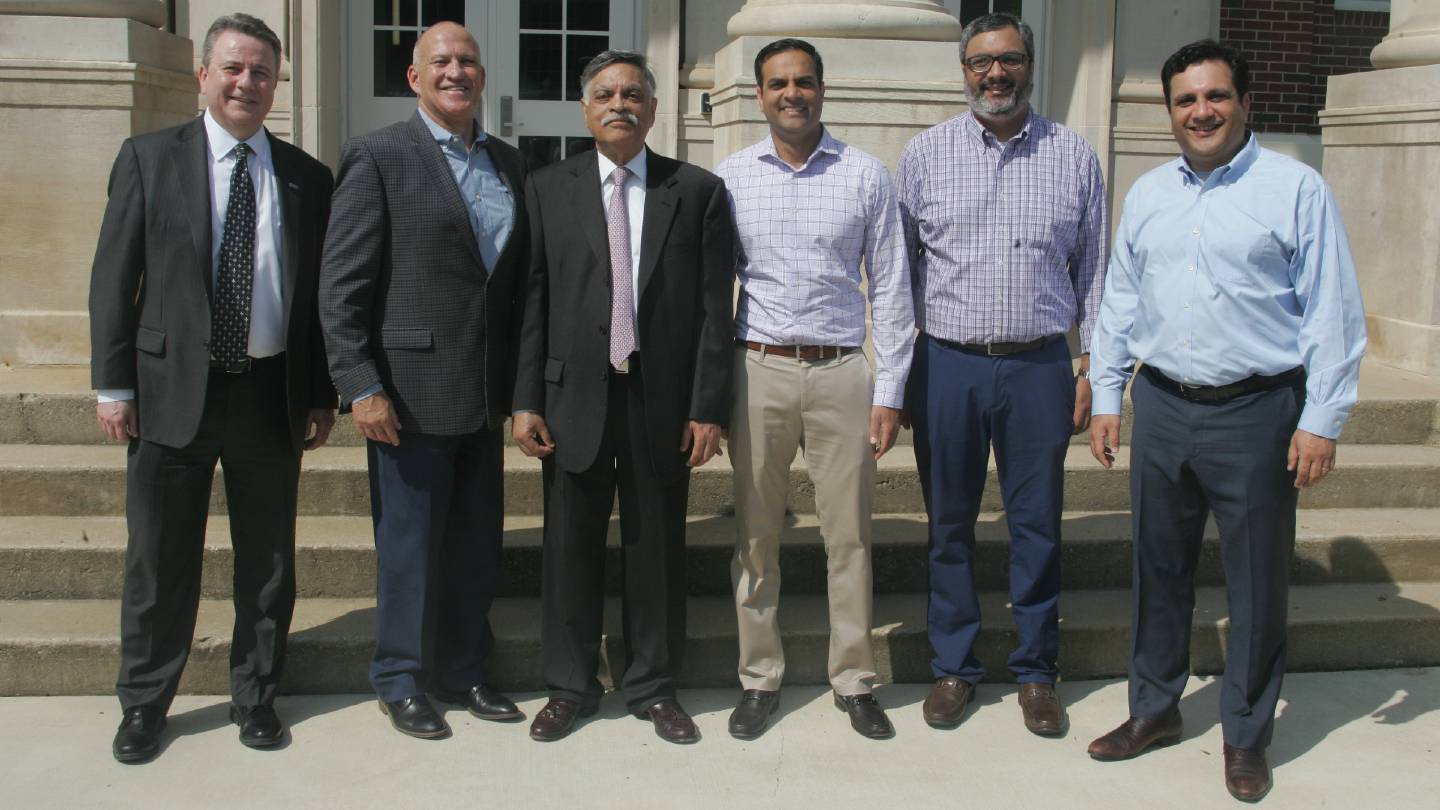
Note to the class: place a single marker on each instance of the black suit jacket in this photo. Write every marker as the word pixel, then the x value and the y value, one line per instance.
pixel 685 324
pixel 404 296
pixel 151 282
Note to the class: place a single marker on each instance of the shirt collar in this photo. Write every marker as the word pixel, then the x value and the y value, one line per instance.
pixel 222 143
pixel 828 145
pixel 977 130
pixel 1237 166
pixel 443 135
pixel 637 166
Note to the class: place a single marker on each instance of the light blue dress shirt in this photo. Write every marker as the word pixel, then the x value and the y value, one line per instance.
pixel 1245 272
pixel 489 202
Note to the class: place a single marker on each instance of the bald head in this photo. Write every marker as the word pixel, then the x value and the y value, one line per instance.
pixel 448 78
pixel 418 54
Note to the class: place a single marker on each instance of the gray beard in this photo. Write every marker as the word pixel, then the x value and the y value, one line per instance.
pixel 979 103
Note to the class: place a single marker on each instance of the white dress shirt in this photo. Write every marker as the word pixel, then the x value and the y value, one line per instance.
pixel 267 304
pixel 635 208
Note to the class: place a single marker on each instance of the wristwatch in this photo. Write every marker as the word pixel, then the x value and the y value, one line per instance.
pixel 1082 373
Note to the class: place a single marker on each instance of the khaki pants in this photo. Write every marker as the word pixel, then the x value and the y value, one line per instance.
pixel 822 408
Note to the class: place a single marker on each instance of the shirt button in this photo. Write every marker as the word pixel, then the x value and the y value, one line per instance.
pixel 1195 232
pixel 1190 269
pixel 1187 304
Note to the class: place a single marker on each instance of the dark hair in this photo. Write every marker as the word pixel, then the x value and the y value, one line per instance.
pixel 605 59
pixel 999 21
pixel 781 46
pixel 240 23
pixel 1206 50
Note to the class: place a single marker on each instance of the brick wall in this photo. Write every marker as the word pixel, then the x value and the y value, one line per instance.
pixel 1293 45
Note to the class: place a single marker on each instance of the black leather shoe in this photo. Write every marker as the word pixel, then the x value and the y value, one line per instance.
pixel 752 713
pixel 866 716
pixel 557 719
pixel 416 717
pixel 672 723
pixel 1138 734
pixel 259 726
pixel 138 737
pixel 483 702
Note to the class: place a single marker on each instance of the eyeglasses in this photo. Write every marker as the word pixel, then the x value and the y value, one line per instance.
pixel 1011 61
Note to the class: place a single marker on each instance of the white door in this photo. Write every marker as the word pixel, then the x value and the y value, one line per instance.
pixel 379 39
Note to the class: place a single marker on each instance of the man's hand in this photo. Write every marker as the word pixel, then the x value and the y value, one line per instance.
pixel 375 417
pixel 1081 418
pixel 884 426
pixel 701 440
pixel 1105 438
pixel 1311 458
pixel 529 431
pixel 317 427
pixel 118 420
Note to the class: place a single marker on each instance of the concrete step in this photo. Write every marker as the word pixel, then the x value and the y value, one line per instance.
pixel 83 557
pixel 90 480
pixel 72 647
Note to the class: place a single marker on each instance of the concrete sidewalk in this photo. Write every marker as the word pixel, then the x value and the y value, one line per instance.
pixel 1347 739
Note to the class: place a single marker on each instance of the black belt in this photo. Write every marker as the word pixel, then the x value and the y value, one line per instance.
pixel 244 364
pixel 999 349
pixel 1222 393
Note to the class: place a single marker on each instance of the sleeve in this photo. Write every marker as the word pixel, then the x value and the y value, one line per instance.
pixel 1087 263
pixel 322 391
pixel 117 275
pixel 530 348
pixel 714 353
pixel 1110 362
pixel 908 177
pixel 892 309
pixel 350 271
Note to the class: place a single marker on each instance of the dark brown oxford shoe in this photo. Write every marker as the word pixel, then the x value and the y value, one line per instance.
pixel 414 716
pixel 1247 773
pixel 866 716
pixel 557 719
pixel 483 702
pixel 260 726
pixel 752 713
pixel 1044 714
pixel 1137 734
pixel 138 737
pixel 945 704
pixel 672 724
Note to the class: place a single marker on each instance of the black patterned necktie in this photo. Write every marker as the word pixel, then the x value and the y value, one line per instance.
pixel 230 332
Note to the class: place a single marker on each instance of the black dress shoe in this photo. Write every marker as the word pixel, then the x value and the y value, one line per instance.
pixel 752 713
pixel 483 702
pixel 138 737
pixel 672 723
pixel 416 717
pixel 557 719
pixel 259 726
pixel 866 716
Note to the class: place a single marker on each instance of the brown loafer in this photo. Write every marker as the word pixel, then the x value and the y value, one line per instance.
pixel 557 719
pixel 1137 734
pixel 946 703
pixel 1247 773
pixel 1044 714
pixel 672 724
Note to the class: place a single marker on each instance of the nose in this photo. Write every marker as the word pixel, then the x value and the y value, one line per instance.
pixel 1202 108
pixel 996 70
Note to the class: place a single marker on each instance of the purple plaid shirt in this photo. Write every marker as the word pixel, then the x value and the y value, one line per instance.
pixel 802 235
pixel 1004 239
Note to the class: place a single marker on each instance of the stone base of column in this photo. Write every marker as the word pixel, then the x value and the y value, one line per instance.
pixel 73 88
pixel 865 105
pixel 1381 132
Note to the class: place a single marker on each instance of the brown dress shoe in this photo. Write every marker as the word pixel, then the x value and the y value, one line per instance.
pixel 1247 773
pixel 1044 715
pixel 1137 734
pixel 557 719
pixel 946 703
pixel 672 724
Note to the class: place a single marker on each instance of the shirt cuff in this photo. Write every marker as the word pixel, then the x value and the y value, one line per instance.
pixel 367 393
pixel 1106 401
pixel 1322 421
pixel 114 395
pixel 888 395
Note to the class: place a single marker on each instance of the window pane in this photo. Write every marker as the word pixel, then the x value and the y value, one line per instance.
pixel 433 11
pixel 970 9
pixel 579 50
pixel 1007 6
pixel 540 68
pixel 395 12
pixel 392 56
pixel 541 149
pixel 588 15
pixel 543 14
pixel 574 146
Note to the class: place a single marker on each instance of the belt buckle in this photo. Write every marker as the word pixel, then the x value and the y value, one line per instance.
pixel 240 366
pixel 990 350
pixel 624 367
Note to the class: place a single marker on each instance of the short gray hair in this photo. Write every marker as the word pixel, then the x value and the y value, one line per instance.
pixel 241 23
pixel 999 21
pixel 615 57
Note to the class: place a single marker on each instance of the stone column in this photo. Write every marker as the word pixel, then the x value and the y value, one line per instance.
pixel 892 69
pixel 76 78
pixel 1381 134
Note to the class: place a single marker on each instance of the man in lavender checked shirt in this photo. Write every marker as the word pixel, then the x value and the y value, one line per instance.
pixel 1005 227
pixel 807 210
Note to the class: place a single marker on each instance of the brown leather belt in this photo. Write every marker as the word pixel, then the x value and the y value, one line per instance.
pixel 799 352
pixel 1222 393
pixel 999 349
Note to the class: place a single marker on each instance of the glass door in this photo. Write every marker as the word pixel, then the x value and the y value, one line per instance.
pixel 380 38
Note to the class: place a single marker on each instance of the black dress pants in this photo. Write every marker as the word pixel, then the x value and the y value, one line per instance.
pixel 245 428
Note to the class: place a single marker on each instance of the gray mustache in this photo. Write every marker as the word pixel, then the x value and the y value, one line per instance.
pixel 627 116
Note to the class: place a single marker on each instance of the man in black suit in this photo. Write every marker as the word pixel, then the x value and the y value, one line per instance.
pixel 205 346
pixel 624 378
pixel 418 296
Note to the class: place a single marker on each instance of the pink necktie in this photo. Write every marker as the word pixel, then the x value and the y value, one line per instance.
pixel 622 291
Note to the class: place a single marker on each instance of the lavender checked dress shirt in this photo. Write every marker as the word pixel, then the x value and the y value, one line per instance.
pixel 1007 241
pixel 802 235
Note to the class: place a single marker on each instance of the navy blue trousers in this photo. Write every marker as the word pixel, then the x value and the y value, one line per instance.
pixel 960 405
pixel 438 507
pixel 1186 460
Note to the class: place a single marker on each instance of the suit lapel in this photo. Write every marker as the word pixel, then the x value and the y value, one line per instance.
pixel 660 199
pixel 590 207
pixel 287 184
pixel 438 176
pixel 192 169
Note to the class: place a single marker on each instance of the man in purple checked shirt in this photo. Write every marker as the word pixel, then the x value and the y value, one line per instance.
pixel 1005 227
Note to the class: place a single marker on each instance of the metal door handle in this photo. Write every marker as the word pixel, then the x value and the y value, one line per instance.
pixel 507 116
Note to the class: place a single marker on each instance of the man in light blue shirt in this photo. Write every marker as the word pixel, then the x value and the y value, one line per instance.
pixel 1232 287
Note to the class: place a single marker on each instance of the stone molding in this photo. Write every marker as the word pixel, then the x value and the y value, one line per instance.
pixel 922 20
pixel 154 13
